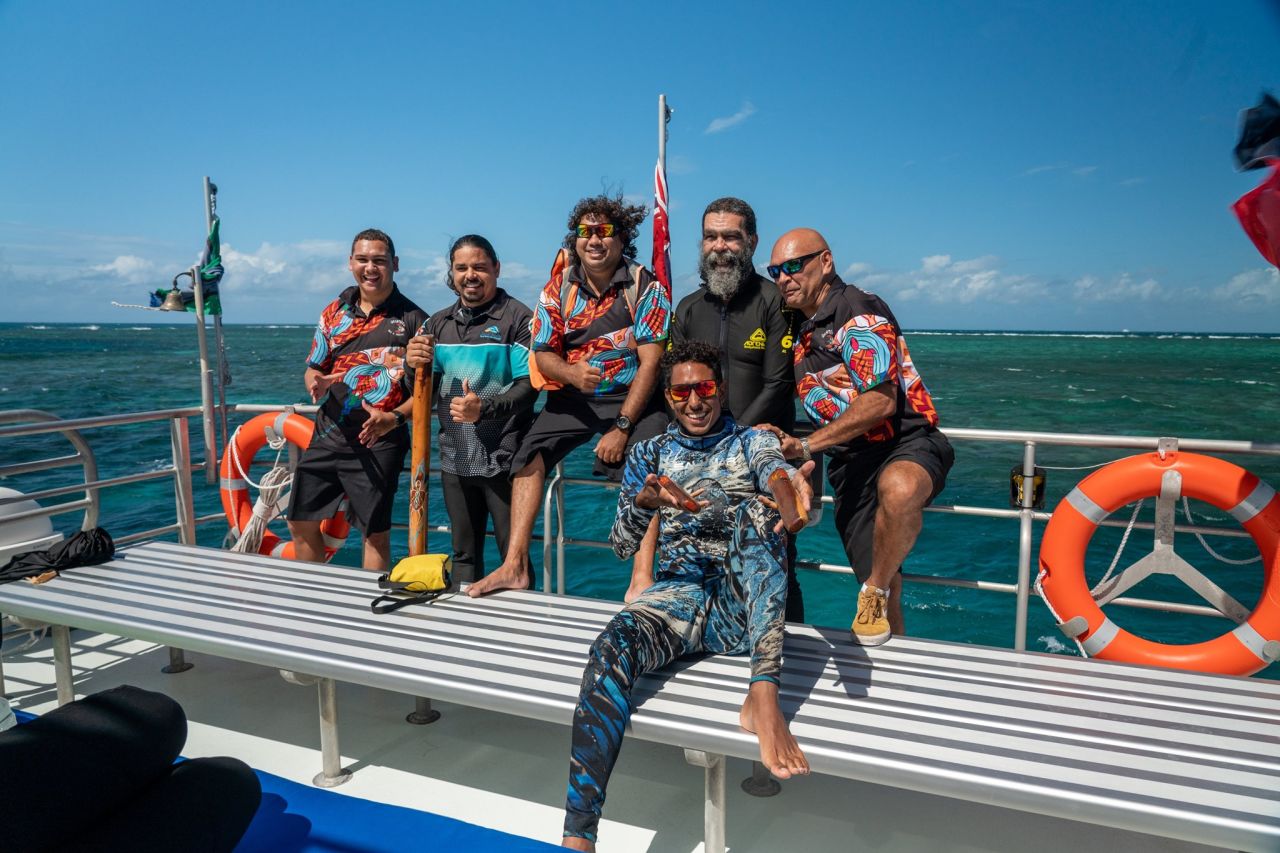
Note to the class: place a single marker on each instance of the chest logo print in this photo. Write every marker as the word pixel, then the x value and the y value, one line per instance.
pixel 395 327
pixel 786 342
pixel 491 334
pixel 755 341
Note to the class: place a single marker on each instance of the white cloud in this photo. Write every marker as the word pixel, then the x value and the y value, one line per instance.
pixel 1132 182
pixel 1049 167
pixel 1254 287
pixel 1084 171
pixel 129 269
pixel 725 122
pixel 942 280
pixel 1123 288
pixel 856 269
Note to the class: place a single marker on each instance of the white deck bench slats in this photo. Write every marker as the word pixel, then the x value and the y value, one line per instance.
pixel 1181 755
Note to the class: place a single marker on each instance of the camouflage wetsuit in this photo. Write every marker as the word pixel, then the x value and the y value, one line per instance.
pixel 720 588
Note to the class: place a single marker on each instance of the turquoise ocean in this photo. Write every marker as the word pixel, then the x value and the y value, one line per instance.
pixel 1176 384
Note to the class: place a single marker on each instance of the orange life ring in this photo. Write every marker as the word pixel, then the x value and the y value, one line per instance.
pixel 1244 650
pixel 248 439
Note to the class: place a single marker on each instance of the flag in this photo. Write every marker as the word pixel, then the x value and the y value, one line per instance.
pixel 1259 212
pixel 661 263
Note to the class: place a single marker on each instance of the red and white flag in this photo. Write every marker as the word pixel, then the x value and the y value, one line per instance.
pixel 661 263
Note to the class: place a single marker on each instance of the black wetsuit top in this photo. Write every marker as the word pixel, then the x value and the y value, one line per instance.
pixel 754 335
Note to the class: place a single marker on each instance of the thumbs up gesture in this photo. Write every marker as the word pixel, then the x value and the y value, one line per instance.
pixel 466 408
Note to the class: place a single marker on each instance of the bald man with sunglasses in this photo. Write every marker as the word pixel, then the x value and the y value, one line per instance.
pixel 874 419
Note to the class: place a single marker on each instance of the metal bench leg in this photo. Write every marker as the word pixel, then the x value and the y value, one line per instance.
pixel 62 664
pixel 332 774
pixel 423 713
pixel 760 783
pixel 713 815
pixel 177 663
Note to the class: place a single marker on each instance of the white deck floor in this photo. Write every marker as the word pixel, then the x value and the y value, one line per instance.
pixel 509 773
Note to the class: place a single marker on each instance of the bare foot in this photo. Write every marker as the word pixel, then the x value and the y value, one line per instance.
pixel 506 576
pixel 640 581
pixel 762 716
pixel 574 843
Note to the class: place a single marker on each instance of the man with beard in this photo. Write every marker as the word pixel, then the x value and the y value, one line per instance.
pixel 742 315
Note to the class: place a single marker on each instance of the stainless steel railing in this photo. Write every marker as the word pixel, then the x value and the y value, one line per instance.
pixel 30 422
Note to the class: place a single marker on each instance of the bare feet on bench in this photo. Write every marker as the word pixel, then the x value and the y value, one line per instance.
pixel 762 716
pixel 506 576
pixel 574 843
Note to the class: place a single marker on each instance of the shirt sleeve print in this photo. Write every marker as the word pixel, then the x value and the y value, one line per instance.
pixel 546 330
pixel 519 348
pixel 320 356
pixel 653 314
pixel 869 348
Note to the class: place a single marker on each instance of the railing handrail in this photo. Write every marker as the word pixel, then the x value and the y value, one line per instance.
pixel 42 423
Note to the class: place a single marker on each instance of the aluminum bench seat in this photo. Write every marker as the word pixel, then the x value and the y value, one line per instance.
pixel 1180 755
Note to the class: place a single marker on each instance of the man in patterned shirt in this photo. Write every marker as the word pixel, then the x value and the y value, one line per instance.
pixel 598 332
pixel 479 351
pixel 874 418
pixel 356 373
pixel 721 582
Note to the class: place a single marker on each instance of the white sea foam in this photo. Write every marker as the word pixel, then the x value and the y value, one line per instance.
pixel 140 328
pixel 1053 644
pixel 91 328
pixel 38 328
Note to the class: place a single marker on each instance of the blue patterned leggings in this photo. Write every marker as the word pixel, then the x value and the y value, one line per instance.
pixel 733 613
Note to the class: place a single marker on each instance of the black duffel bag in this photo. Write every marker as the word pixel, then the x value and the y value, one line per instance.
pixel 83 548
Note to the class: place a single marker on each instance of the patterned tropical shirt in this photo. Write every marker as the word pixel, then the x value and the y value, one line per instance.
pixel 369 351
pixel 605 330
pixel 731 464
pixel 851 345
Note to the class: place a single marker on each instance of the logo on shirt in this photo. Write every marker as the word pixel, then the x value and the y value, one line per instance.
pixel 755 341
pixel 786 342
pixel 395 327
pixel 491 334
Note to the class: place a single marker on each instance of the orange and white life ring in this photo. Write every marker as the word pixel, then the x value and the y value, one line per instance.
pixel 248 439
pixel 1244 650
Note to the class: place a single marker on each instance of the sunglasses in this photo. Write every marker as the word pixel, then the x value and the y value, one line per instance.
pixel 604 229
pixel 792 266
pixel 704 389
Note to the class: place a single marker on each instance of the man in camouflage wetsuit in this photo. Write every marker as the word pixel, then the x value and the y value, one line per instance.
pixel 721 581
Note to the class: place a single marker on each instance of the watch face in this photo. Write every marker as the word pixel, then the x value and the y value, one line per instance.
pixel 623 423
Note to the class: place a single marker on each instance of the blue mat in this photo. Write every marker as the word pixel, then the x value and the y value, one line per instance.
pixel 296 818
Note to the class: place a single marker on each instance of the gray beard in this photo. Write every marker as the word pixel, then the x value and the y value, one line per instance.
pixel 725 282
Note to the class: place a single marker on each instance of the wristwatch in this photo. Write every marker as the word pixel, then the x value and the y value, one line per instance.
pixel 624 423
pixel 400 418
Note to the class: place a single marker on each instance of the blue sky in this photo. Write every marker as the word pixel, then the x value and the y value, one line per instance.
pixel 1027 165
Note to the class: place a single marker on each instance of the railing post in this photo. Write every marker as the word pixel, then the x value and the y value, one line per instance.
pixel 62 674
pixel 1024 545
pixel 546 527
pixel 560 529
pixel 184 511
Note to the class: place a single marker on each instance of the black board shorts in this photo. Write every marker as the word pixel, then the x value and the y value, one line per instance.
pixel 568 421
pixel 367 476
pixel 854 488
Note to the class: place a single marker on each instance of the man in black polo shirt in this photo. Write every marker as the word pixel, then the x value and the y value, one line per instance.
pixel 742 315
pixel 874 418
pixel 355 371
pixel 479 351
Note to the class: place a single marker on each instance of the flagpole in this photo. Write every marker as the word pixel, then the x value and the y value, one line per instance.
pixel 224 375
pixel 664 116
pixel 206 377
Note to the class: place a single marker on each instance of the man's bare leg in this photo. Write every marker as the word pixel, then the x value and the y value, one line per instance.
pixel 377 551
pixel 575 843
pixel 642 563
pixel 762 716
pixel 902 491
pixel 308 543
pixel 526 500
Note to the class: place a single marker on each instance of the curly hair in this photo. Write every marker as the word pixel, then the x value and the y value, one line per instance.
pixel 699 352
pixel 626 218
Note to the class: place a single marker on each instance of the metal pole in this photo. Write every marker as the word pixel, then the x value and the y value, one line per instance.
pixel 184 512
pixel 206 382
pixel 210 210
pixel 560 529
pixel 547 498
pixel 1024 544
pixel 664 116
pixel 62 664
pixel 713 817
pixel 331 773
